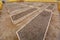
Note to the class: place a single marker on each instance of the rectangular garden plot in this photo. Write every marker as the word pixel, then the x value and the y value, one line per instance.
pixel 36 29
pixel 15 17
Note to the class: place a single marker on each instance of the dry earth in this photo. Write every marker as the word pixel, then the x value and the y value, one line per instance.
pixel 8 29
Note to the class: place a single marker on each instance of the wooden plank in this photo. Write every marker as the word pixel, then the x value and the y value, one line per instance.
pixel 37 28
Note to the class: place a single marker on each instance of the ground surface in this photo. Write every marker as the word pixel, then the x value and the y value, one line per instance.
pixel 8 28
pixel 35 29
